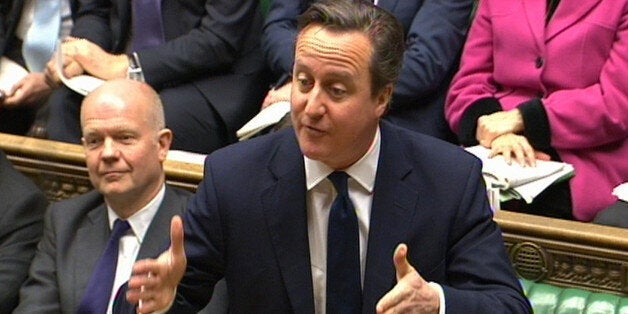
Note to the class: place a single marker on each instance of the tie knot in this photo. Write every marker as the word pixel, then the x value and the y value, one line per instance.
pixel 120 227
pixel 339 179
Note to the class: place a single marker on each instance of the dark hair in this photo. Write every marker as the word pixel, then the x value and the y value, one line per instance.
pixel 382 28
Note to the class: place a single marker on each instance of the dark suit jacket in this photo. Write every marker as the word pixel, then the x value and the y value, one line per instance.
pixel 435 32
pixel 75 235
pixel 248 222
pixel 22 207
pixel 212 44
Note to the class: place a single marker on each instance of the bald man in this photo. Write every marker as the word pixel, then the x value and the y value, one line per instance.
pixel 126 144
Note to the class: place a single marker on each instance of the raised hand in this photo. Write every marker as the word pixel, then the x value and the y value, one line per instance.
pixel 153 283
pixel 411 294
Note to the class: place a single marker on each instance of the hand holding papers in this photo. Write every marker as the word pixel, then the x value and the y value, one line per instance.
pixel 520 182
pixel 82 84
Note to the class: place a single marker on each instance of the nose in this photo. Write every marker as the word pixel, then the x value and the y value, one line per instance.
pixel 110 149
pixel 315 104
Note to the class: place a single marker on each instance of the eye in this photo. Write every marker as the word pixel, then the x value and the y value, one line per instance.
pixel 125 138
pixel 304 83
pixel 92 142
pixel 337 92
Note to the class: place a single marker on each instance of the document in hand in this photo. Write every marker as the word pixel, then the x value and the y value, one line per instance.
pixel 266 117
pixel 520 182
pixel 82 84
pixel 10 74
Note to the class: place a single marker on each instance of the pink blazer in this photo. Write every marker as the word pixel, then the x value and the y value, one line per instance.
pixel 577 64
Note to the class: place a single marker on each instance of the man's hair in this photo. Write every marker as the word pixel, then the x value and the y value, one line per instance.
pixel 382 28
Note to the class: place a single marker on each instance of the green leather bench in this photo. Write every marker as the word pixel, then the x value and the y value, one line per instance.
pixel 549 299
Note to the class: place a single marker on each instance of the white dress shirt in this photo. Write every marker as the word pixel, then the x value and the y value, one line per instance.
pixel 28 11
pixel 320 196
pixel 130 243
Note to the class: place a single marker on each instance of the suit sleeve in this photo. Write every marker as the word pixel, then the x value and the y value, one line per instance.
pixel 40 292
pixel 474 84
pixel 91 21
pixel 22 228
pixel 475 283
pixel 433 42
pixel 212 47
pixel 280 32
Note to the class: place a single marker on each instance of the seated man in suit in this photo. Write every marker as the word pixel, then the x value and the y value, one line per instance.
pixel 202 56
pixel 81 262
pixel 22 207
pixel 345 213
pixel 29 30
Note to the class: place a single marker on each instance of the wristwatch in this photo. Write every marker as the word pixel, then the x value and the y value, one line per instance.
pixel 134 72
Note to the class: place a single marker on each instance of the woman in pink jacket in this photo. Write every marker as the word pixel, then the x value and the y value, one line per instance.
pixel 549 78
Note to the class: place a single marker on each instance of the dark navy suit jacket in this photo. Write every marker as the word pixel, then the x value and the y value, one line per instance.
pixel 248 223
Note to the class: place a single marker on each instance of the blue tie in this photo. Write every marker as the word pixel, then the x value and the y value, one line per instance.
pixel 344 291
pixel 41 37
pixel 148 30
pixel 98 291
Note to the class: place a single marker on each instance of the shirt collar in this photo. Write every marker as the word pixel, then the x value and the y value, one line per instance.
pixel 140 221
pixel 362 171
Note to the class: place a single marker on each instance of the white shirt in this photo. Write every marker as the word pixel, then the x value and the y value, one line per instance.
pixel 130 243
pixel 320 196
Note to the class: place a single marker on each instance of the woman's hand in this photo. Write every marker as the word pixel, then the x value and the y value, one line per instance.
pixel 512 145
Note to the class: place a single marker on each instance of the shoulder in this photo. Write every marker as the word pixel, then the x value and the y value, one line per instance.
pixel 76 207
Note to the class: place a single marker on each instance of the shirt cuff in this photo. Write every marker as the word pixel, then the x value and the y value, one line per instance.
pixel 441 296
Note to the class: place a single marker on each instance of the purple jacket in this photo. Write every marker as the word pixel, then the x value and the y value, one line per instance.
pixel 569 79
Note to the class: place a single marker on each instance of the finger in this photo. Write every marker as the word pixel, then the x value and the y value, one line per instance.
pixel 518 152
pixel 529 154
pixel 176 242
pixel 542 156
pixel 391 299
pixel 400 258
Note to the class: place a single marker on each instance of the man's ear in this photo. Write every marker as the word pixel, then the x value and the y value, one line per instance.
pixel 383 100
pixel 164 139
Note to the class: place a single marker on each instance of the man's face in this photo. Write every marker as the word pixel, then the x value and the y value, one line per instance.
pixel 124 151
pixel 333 112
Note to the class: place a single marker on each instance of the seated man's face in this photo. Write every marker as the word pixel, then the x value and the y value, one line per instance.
pixel 123 152
pixel 333 112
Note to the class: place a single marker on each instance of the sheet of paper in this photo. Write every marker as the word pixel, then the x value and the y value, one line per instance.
pixel 82 84
pixel 266 117
pixel 621 191
pixel 10 73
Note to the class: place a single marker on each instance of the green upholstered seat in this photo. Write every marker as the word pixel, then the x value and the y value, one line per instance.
pixel 549 299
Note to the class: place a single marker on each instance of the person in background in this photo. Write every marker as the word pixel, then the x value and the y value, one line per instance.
pixel 434 34
pixel 344 213
pixel 22 206
pixel 203 57
pixel 29 31
pixel 547 78
pixel 91 242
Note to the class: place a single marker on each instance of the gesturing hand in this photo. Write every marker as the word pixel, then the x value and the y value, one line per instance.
pixel 411 294
pixel 154 281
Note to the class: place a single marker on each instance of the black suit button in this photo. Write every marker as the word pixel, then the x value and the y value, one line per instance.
pixel 538 63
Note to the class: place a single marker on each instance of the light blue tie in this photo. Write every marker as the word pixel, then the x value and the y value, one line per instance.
pixel 41 38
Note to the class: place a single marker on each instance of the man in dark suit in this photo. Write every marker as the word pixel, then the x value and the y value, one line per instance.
pixel 22 207
pixel 269 219
pixel 206 64
pixel 125 144
pixel 434 32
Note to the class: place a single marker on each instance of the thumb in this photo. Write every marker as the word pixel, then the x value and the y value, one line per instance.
pixel 400 258
pixel 176 240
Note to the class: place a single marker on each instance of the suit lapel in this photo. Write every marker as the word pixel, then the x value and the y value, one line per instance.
pixel 535 18
pixel 567 14
pixel 285 213
pixel 91 240
pixel 394 202
pixel 157 237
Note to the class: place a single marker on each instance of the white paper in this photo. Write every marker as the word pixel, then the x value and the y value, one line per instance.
pixel 621 191
pixel 185 156
pixel 82 84
pixel 10 74
pixel 266 117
